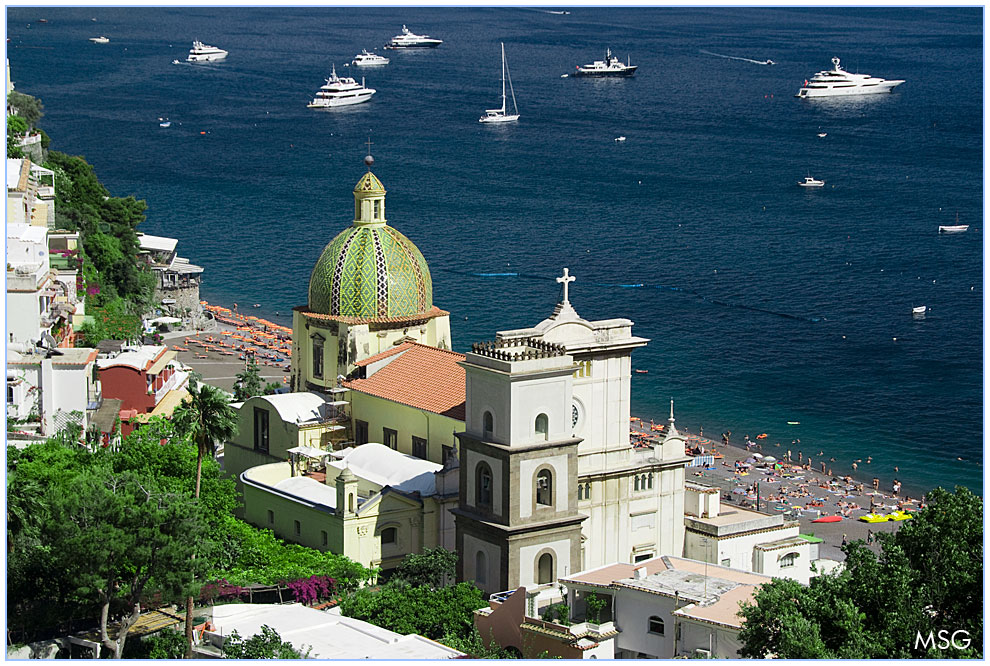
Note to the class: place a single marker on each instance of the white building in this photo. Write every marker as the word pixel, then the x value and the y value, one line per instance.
pixel 178 280
pixel 30 193
pixel 59 389
pixel 326 634
pixel 31 285
pixel 667 607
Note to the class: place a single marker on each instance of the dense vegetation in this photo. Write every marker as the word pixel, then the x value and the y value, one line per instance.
pixel 924 589
pixel 90 529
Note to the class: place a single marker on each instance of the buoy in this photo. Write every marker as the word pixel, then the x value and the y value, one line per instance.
pixel 202 132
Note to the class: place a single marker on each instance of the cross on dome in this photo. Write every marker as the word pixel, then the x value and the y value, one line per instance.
pixel 565 280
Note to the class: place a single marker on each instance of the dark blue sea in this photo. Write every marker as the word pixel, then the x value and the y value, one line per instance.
pixel 764 302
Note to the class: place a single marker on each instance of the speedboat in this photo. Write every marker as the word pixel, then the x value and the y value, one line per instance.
pixel 811 182
pixel 610 66
pixel 408 40
pixel 365 59
pixel 100 40
pixel 769 62
pixel 340 91
pixel 164 122
pixel 201 52
pixel 836 81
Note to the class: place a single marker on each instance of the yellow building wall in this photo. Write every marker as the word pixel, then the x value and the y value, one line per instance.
pixel 379 413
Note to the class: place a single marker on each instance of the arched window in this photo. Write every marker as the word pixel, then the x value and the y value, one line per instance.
pixel 788 560
pixel 544 487
pixel 480 567
pixel 483 485
pixel 389 535
pixel 649 481
pixel 318 357
pixel 656 625
pixel 636 483
pixel 544 569
pixel 542 426
pixel 350 502
pixel 587 491
pixel 489 424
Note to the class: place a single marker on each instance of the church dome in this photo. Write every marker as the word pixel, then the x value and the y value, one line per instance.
pixel 370 270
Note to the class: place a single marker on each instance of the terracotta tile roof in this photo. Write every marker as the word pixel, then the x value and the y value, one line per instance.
pixel 421 316
pixel 419 376
pixel 607 574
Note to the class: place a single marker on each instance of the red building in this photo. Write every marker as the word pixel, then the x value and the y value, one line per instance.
pixel 146 380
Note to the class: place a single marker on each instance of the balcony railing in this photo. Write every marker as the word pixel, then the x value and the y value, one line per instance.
pixel 175 381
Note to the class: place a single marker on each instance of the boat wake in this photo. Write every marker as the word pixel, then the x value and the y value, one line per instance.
pixel 727 57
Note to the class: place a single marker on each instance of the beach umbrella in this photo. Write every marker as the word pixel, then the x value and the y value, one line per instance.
pixel 769 459
pixel 751 460
pixel 757 455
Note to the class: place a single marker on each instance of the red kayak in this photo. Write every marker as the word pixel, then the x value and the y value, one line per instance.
pixel 827 519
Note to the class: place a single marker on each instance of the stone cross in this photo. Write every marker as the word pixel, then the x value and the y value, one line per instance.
pixel 369 145
pixel 565 280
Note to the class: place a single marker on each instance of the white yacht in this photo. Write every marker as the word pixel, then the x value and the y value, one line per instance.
pixel 408 40
pixel 100 40
pixel 811 182
pixel 499 115
pixel 340 91
pixel 837 81
pixel 201 52
pixel 365 59
pixel 610 66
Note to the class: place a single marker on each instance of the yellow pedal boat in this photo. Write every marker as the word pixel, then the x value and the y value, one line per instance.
pixel 900 515
pixel 874 518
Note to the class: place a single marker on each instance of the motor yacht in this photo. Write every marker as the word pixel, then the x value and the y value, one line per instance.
pixel 610 66
pixel 365 59
pixel 340 91
pixel 408 40
pixel 836 81
pixel 201 52
pixel 811 182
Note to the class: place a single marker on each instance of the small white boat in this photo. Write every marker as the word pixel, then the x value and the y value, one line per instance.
pixel 499 115
pixel 100 40
pixel 164 122
pixel 920 310
pixel 952 228
pixel 822 135
pixel 365 59
pixel 175 62
pixel 811 182
pixel 620 138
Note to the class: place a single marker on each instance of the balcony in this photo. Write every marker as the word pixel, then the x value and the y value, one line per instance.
pixel 26 277
pixel 176 381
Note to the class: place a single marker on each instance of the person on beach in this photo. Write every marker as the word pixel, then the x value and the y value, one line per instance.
pixel 896 487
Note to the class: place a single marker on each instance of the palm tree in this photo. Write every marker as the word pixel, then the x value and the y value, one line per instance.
pixel 207 418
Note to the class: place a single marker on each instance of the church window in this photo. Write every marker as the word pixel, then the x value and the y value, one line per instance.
pixel 656 625
pixel 587 491
pixel 788 560
pixel 544 569
pixel 446 452
pixel 544 488
pixel 489 424
pixel 419 447
pixel 483 489
pixel 317 357
pixel 480 567
pixel 378 209
pixel 390 438
pixel 350 502
pixel 389 535
pixel 542 426
pixel 649 480
pixel 261 429
pixel 636 482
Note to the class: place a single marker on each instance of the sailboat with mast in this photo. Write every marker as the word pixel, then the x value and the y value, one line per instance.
pixel 499 115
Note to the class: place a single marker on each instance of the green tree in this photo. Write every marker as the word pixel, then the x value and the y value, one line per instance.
pixel 266 645
pixel 16 127
pixel 595 605
pixel 475 647
pixel 434 567
pixel 248 382
pixel 927 578
pixel 28 107
pixel 400 607
pixel 116 537
pixel 207 418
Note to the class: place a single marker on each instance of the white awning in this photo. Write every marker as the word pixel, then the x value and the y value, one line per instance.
pixel 165 320
pixel 309 451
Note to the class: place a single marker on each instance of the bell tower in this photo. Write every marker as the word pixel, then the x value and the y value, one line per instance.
pixel 517 520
